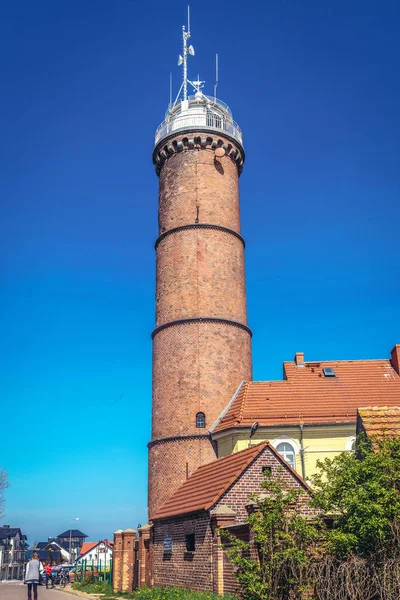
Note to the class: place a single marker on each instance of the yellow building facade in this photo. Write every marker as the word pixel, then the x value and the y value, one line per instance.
pixel 301 448
pixel 311 413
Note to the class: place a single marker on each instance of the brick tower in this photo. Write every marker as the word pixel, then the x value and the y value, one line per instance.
pixel 201 343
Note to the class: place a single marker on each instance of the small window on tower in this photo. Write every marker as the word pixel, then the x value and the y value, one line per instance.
pixel 200 420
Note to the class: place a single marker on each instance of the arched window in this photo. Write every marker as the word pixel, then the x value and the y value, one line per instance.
pixel 200 420
pixel 350 443
pixel 286 450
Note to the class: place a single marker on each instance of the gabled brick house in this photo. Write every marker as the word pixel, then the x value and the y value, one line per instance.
pixel 186 546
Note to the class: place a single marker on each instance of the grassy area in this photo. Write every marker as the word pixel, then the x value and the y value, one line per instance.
pixel 93 588
pixel 148 593
pixel 176 594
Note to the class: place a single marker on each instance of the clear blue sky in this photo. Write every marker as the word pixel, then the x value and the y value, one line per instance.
pixel 83 86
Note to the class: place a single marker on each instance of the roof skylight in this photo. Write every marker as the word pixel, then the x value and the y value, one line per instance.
pixel 329 372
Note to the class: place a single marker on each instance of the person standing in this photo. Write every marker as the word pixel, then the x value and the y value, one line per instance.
pixel 32 576
pixel 49 578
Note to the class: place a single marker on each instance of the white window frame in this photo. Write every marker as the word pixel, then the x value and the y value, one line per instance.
pixel 286 440
pixel 349 443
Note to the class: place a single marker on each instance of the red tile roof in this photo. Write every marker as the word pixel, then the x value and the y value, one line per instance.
pixel 380 420
pixel 307 396
pixel 87 546
pixel 204 488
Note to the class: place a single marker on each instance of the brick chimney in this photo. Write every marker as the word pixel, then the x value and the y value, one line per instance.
pixel 299 359
pixel 395 358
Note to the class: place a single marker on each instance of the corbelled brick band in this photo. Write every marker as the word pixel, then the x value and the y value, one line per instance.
pixel 193 140
pixel 198 226
pixel 201 344
pixel 201 320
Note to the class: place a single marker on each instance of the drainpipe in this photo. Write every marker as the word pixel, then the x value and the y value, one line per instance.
pixel 303 466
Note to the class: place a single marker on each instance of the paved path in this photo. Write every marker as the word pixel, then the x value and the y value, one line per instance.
pixel 19 591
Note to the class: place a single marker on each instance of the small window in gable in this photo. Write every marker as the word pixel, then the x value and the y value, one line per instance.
pixel 190 542
pixel 266 470
pixel 200 420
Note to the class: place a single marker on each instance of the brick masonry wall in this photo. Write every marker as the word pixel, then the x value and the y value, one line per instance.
pixel 200 272
pixel 117 562
pixel 128 561
pixel 200 570
pixel 237 496
pixel 194 178
pixel 167 466
pixel 230 585
pixel 197 366
pixel 184 569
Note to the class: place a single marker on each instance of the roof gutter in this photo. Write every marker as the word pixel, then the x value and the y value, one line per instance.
pixel 232 428
pixel 303 466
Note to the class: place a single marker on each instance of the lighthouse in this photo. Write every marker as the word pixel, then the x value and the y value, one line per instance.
pixel 201 339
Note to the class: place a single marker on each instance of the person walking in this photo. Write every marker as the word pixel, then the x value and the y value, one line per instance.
pixel 32 576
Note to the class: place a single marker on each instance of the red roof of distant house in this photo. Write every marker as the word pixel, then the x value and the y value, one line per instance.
pixel 306 395
pixel 380 420
pixel 87 546
pixel 207 484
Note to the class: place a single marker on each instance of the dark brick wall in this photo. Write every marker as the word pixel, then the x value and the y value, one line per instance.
pixel 191 570
pixel 199 570
pixel 237 496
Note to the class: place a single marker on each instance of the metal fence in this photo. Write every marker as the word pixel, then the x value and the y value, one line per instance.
pixel 94 573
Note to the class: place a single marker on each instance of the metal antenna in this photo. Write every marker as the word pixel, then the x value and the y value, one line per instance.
pixel 216 77
pixel 186 36
pixel 183 59
pixel 170 90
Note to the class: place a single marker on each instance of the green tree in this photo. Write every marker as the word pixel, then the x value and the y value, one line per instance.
pixel 361 491
pixel 285 542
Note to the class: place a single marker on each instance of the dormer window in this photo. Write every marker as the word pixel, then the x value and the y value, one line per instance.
pixel 200 420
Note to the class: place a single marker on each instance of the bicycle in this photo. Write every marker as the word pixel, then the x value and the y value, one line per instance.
pixel 64 579
pixel 49 582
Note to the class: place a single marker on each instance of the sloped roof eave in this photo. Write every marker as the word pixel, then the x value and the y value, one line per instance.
pixel 174 506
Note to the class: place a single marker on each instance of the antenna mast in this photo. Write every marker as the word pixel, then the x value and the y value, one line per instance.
pixel 216 77
pixel 183 59
pixel 186 36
